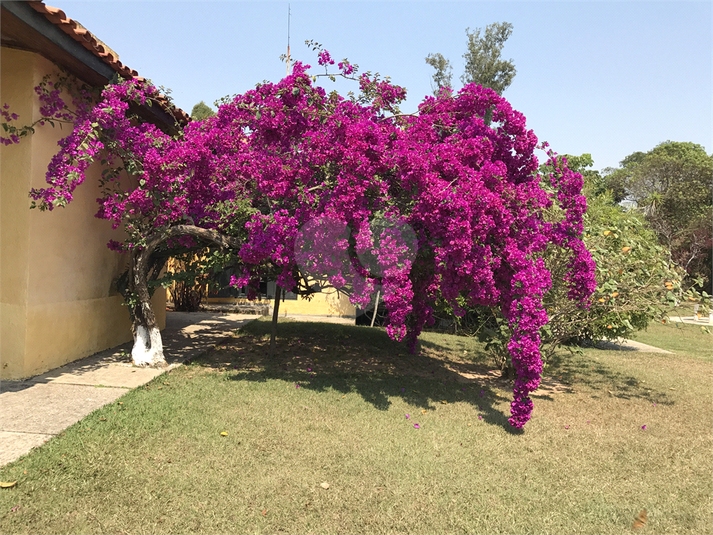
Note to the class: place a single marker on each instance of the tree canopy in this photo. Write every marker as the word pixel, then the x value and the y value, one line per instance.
pixel 672 184
pixel 201 111
pixel 291 180
pixel 443 77
pixel 483 63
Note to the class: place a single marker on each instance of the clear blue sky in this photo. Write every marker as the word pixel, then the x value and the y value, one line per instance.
pixel 607 78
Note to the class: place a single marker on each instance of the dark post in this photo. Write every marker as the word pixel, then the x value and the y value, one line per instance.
pixel 275 312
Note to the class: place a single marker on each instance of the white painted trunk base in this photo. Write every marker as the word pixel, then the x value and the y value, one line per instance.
pixel 148 347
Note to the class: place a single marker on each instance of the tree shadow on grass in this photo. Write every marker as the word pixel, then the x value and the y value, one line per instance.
pixel 351 359
pixel 363 360
pixel 574 369
pixel 378 391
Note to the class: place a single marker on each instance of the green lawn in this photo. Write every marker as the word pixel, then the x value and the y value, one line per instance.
pixel 684 338
pixel 331 407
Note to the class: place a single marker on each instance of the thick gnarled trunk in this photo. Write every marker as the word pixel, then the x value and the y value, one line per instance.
pixel 148 345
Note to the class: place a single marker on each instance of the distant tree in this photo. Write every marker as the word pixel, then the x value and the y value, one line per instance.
pixel 612 181
pixel 483 64
pixel 672 185
pixel 443 77
pixel 201 111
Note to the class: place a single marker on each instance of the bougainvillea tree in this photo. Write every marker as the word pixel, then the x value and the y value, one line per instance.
pixel 297 182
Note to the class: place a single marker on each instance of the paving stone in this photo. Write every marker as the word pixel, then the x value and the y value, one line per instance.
pixel 112 375
pixel 48 408
pixel 14 445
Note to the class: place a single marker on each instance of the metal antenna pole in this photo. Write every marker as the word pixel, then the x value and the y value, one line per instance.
pixel 288 39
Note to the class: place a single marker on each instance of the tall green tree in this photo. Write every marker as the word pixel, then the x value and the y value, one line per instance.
pixel 201 111
pixel 443 77
pixel 672 185
pixel 483 63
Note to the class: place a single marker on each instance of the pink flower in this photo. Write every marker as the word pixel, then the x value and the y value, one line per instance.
pixel 325 58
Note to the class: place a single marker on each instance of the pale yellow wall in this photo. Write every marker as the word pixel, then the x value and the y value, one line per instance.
pixel 324 303
pixel 14 218
pixel 56 273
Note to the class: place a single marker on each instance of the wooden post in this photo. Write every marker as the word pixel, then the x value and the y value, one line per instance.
pixel 275 312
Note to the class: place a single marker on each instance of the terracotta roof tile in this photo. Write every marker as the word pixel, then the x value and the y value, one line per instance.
pixel 83 36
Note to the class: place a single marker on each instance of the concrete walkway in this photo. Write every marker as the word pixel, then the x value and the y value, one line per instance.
pixel 36 409
pixel 704 321
pixel 622 344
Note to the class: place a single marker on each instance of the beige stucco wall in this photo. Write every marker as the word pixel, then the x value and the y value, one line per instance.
pixel 325 303
pixel 328 302
pixel 57 303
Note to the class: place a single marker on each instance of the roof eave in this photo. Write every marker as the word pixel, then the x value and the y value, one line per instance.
pixel 25 28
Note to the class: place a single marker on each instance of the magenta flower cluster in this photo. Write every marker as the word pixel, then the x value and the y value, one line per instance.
pixel 442 204
pixel 53 107
pixel 8 118
pixel 324 58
